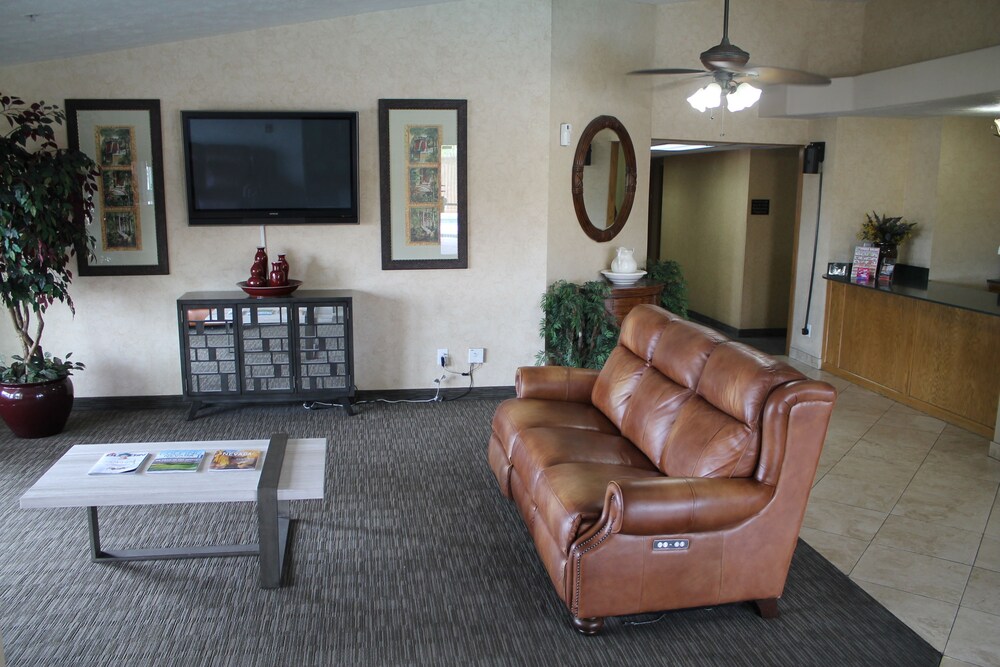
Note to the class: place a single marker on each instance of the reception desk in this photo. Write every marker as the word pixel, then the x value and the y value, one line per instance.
pixel 935 348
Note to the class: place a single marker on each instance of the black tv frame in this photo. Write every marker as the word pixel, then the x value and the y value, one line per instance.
pixel 289 216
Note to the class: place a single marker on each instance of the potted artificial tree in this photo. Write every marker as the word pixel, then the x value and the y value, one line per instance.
pixel 46 201
pixel 577 328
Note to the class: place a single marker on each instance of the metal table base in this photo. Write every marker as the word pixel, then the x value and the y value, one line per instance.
pixel 273 523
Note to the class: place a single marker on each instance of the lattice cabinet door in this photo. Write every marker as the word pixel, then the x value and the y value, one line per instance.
pixel 236 349
pixel 266 348
pixel 323 357
pixel 208 350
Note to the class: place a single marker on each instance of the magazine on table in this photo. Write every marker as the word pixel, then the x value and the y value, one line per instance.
pixel 177 460
pixel 117 463
pixel 235 459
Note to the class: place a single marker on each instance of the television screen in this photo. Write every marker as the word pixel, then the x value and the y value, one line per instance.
pixel 271 168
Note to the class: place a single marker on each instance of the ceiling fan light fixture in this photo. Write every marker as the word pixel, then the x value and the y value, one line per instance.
pixel 709 97
pixel 744 97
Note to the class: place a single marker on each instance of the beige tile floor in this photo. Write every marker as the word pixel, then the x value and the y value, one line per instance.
pixel 907 506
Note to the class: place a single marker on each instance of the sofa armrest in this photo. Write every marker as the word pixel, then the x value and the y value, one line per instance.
pixel 673 505
pixel 555 383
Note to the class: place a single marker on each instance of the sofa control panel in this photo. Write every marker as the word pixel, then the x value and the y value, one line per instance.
pixel 671 544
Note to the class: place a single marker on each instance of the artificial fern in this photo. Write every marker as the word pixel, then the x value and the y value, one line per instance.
pixel 674 296
pixel 577 328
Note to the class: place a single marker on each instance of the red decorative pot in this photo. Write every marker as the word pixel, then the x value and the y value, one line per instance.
pixel 36 410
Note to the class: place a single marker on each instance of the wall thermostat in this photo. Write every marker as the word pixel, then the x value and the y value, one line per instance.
pixel 564 132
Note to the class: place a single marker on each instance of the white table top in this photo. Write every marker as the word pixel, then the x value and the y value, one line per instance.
pixel 67 484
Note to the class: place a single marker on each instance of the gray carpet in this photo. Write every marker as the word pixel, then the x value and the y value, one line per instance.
pixel 413 558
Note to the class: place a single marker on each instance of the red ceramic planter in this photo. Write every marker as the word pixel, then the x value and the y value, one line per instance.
pixel 36 410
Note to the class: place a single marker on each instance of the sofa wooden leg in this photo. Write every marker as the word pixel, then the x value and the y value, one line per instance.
pixel 588 626
pixel 768 607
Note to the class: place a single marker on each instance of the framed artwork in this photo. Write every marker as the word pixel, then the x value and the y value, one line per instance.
pixel 422 165
pixel 129 223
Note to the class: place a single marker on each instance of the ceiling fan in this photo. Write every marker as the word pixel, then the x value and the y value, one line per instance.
pixel 729 66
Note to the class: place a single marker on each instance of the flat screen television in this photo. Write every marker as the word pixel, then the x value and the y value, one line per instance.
pixel 267 168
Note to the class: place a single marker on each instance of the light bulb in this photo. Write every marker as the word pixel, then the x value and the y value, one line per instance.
pixel 708 97
pixel 743 97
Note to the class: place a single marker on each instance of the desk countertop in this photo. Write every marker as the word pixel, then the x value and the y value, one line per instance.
pixel 947 294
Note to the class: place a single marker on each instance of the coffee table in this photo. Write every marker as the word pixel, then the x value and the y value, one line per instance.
pixel 291 470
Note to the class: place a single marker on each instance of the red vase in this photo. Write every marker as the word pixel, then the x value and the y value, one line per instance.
pixel 36 410
pixel 258 271
pixel 283 265
pixel 261 255
pixel 258 275
pixel 277 276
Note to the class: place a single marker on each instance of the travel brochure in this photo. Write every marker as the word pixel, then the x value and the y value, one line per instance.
pixel 176 460
pixel 235 459
pixel 116 463
pixel 864 265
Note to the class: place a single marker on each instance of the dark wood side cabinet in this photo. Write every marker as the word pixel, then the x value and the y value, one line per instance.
pixel 238 349
pixel 624 299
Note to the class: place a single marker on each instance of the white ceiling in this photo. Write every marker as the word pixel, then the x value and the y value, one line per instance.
pixel 36 30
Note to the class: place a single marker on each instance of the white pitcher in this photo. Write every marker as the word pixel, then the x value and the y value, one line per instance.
pixel 624 262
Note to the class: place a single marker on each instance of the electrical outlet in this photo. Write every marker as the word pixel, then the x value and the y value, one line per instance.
pixel 442 357
pixel 809 330
pixel 476 355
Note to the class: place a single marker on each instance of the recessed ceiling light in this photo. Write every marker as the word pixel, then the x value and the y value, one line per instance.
pixel 679 147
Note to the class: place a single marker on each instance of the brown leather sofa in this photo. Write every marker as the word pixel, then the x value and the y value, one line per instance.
pixel 675 477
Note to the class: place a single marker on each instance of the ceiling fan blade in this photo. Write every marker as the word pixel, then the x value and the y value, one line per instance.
pixel 765 75
pixel 669 70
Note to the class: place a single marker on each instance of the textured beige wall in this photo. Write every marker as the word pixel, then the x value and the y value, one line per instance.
pixel 869 174
pixel 494 55
pixel 920 200
pixel 901 32
pixel 967 228
pixel 589 59
pixel 767 272
pixel 866 168
pixel 704 228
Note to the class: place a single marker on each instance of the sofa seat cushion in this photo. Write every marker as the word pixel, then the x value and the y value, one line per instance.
pixel 516 415
pixel 545 446
pixel 570 496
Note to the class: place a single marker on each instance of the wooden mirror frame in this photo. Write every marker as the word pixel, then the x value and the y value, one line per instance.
pixel 590 229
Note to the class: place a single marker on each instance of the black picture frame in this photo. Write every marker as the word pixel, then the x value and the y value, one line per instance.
pixel 124 138
pixel 422 168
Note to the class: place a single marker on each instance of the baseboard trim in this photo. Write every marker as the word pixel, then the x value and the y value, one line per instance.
pixel 177 401
pixel 129 402
pixel 733 332
pixel 426 394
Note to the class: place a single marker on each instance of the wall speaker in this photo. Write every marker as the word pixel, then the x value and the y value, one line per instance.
pixel 814 155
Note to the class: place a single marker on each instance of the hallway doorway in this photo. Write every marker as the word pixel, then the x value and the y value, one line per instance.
pixel 728 214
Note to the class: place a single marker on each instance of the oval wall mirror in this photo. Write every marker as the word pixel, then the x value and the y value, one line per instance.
pixel 604 178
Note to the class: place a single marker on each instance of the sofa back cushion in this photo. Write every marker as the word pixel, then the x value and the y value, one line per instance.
pixel 685 395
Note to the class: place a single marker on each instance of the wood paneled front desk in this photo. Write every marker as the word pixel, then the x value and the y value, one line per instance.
pixel 936 349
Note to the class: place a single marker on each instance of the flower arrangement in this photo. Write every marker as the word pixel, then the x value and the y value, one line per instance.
pixel 885 230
